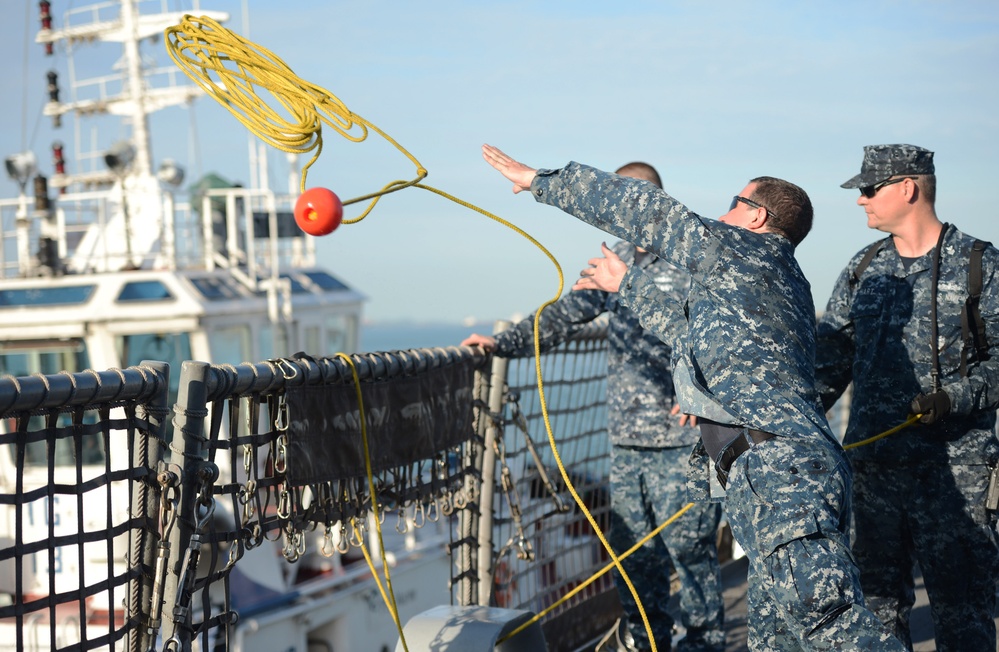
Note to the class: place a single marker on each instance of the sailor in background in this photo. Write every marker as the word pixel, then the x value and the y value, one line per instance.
pixel 648 455
pixel 900 326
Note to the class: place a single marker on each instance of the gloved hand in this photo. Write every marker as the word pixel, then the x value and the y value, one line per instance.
pixel 933 406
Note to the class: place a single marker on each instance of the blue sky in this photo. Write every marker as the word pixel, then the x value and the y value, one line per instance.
pixel 711 93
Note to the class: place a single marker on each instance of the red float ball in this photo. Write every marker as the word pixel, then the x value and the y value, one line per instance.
pixel 318 211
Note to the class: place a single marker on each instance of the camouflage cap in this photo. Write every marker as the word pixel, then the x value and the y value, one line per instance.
pixel 882 162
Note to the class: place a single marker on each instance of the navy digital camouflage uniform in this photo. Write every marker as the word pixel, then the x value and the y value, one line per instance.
pixel 919 495
pixel 746 358
pixel 647 462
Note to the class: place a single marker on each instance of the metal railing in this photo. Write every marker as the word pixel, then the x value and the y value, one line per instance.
pixel 535 544
pixel 271 454
pixel 70 440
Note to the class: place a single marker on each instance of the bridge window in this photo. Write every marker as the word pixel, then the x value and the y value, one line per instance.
pixel 46 296
pixel 144 291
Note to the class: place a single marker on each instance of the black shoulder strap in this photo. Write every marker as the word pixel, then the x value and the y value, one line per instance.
pixel 869 255
pixel 972 324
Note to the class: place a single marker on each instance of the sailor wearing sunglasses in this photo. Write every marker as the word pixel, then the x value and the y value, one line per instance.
pixel 910 324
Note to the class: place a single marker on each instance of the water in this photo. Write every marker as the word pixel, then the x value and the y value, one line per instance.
pixel 391 336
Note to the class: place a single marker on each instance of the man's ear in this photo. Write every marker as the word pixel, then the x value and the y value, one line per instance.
pixel 759 220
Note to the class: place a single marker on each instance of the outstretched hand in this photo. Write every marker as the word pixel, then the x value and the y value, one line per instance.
pixel 487 342
pixel 520 174
pixel 603 273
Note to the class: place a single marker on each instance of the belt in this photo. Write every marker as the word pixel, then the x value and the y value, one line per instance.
pixel 738 446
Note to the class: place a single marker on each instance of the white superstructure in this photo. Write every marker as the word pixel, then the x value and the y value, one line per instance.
pixel 107 260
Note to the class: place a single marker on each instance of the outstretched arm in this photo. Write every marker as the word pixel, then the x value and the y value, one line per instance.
pixel 518 173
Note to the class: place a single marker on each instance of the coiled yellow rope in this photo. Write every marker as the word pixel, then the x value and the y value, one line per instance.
pixel 232 69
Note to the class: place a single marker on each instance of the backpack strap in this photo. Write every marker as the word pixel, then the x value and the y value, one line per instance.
pixel 861 267
pixel 972 324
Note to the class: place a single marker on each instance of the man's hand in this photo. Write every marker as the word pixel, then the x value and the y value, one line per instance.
pixel 487 342
pixel 603 273
pixel 520 174
pixel 685 419
pixel 933 406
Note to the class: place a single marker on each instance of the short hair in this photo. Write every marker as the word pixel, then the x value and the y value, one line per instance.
pixel 639 170
pixel 789 210
pixel 927 184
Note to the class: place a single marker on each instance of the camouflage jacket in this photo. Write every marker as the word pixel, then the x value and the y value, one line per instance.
pixel 877 333
pixel 640 391
pixel 744 336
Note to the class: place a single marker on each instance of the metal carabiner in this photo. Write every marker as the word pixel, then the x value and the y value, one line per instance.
pixel 283 365
pixel 343 543
pixel 302 543
pixel 289 550
pixel 401 524
pixel 284 504
pixel 433 511
pixel 281 418
pixel 328 549
pixel 235 553
pixel 247 458
pixel 256 535
pixel 357 533
pixel 281 456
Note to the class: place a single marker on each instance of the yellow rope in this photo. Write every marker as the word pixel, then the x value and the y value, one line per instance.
pixel 389 599
pixel 600 573
pixel 231 70
pixel 660 528
pixel 201 48
pixel 911 420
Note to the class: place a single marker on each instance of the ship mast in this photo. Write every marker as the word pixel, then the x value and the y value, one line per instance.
pixel 139 115
pixel 140 197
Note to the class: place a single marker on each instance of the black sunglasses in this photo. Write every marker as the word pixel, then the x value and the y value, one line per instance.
pixel 870 191
pixel 750 202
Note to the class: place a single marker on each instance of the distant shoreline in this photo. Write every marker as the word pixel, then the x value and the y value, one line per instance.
pixel 403 334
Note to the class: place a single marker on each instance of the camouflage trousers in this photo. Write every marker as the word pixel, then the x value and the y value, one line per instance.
pixel 933 515
pixel 648 485
pixel 788 502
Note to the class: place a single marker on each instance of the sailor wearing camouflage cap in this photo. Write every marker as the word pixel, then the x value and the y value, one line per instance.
pixel 882 162
pixel 902 328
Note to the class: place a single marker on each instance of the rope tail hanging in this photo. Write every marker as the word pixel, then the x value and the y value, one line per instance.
pixel 232 70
